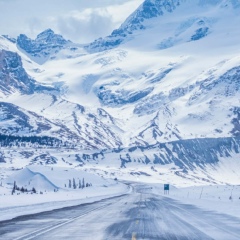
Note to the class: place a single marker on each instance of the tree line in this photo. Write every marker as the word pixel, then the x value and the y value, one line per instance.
pixel 22 189
pixel 72 183
pixel 31 141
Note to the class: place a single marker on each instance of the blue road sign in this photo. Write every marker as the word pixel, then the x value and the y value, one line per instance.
pixel 166 187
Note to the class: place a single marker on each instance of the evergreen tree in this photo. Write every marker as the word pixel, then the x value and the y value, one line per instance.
pixel 79 185
pixel 34 190
pixel 74 183
pixel 83 184
pixel 70 183
pixel 14 187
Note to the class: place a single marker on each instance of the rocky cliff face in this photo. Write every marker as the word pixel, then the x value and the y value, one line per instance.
pixel 45 44
pixel 192 159
pixel 13 77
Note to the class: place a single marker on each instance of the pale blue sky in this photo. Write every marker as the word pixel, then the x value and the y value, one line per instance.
pixel 78 20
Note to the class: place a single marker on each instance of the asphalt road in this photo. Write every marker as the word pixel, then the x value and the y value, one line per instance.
pixel 139 215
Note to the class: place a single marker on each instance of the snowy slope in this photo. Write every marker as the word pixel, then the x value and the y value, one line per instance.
pixel 29 179
pixel 170 73
pixel 182 84
pixel 182 163
pixel 31 108
pixel 181 21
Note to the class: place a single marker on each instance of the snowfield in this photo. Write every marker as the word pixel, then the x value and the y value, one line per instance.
pixel 218 198
pixel 53 192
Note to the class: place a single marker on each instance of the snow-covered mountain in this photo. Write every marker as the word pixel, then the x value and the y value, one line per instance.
pixel 14 77
pixel 198 22
pixel 136 21
pixel 46 45
pixel 170 73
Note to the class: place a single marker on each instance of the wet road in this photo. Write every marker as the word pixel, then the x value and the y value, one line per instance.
pixel 139 215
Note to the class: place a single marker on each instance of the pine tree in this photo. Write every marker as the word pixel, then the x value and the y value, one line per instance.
pixel 83 184
pixel 70 183
pixel 79 185
pixel 14 187
pixel 74 183
pixel 34 190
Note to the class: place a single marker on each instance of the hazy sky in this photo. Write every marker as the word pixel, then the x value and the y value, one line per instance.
pixel 78 20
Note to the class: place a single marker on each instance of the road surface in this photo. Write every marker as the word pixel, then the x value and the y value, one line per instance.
pixel 135 216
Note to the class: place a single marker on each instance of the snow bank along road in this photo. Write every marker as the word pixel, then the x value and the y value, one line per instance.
pixel 138 215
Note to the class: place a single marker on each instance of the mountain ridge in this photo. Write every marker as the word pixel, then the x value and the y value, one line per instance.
pixel 164 89
pixel 150 9
pixel 45 44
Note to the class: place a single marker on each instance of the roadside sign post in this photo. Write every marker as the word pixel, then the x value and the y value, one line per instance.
pixel 166 189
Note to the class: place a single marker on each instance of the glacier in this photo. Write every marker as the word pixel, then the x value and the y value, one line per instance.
pixel 168 75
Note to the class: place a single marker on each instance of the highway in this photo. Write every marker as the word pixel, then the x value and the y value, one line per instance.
pixel 134 216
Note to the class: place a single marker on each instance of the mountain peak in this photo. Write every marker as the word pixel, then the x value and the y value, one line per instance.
pixel 154 8
pixel 45 44
pixel 141 18
pixel 46 33
pixel 147 10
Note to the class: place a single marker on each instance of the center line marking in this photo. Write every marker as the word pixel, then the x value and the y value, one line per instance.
pixel 134 236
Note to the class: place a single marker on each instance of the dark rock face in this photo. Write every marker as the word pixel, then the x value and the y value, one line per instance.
pixel 44 159
pixel 13 40
pixel 226 85
pixel 185 158
pixel 13 77
pixel 20 127
pixel 200 33
pixel 109 98
pixel 44 45
pixel 2 159
pixel 236 122
pixel 19 121
pixel 153 8
pixel 185 154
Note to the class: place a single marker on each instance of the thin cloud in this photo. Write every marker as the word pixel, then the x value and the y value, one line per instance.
pixel 79 21
pixel 86 25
